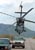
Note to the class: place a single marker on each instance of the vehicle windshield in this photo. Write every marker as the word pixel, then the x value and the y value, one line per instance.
pixel 4 41
pixel 18 38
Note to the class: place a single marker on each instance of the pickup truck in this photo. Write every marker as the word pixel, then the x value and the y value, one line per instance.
pixel 18 42
pixel 4 44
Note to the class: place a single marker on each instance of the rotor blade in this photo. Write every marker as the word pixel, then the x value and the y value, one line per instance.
pixel 29 21
pixel 27 12
pixel 13 23
pixel 20 12
pixel 7 14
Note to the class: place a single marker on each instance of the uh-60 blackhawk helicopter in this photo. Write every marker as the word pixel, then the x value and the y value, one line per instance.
pixel 20 21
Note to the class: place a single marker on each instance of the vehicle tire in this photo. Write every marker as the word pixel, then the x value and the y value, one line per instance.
pixel 13 46
pixel 23 46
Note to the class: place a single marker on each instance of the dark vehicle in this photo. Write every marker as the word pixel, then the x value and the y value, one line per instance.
pixel 18 42
pixel 4 44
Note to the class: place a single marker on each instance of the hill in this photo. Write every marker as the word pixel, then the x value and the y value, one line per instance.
pixel 10 29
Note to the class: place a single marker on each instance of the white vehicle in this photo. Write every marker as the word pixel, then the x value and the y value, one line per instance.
pixel 4 44
pixel 17 42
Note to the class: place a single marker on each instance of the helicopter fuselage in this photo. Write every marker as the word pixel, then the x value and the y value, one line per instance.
pixel 20 21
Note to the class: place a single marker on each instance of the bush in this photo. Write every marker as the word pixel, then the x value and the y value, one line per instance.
pixel 33 37
pixel 10 36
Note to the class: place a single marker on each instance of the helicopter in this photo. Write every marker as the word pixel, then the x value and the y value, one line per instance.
pixel 20 20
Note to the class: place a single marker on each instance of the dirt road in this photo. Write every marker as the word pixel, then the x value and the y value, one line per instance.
pixel 29 45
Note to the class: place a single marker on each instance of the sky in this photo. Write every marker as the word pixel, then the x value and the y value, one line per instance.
pixel 10 6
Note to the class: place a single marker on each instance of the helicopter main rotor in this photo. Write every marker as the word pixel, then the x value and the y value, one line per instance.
pixel 20 21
